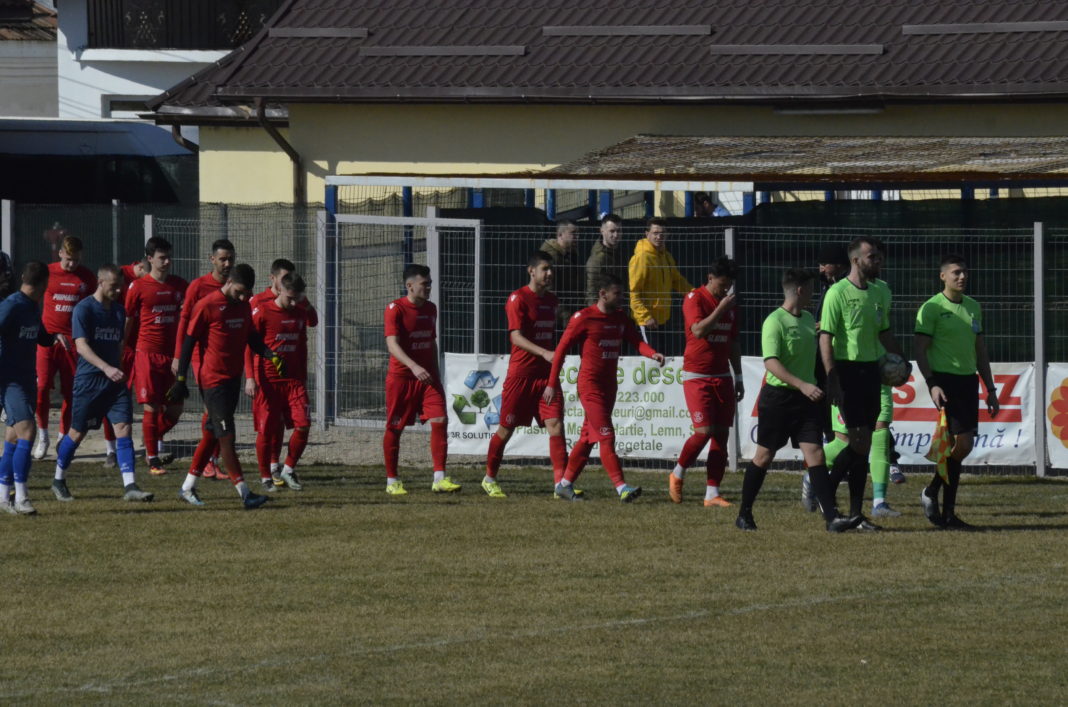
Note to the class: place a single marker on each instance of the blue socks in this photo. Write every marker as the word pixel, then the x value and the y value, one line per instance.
pixel 124 451
pixel 21 460
pixel 7 467
pixel 65 452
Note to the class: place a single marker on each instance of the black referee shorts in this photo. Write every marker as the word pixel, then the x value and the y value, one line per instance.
pixel 962 400
pixel 221 403
pixel 786 415
pixel 861 385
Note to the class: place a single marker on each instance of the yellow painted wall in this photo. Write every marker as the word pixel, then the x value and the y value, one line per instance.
pixel 458 139
pixel 244 166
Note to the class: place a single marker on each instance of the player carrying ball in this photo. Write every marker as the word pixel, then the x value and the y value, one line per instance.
pixel 711 316
pixel 413 382
pixel 531 314
pixel 600 331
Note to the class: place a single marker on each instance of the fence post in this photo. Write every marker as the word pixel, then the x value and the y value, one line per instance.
pixel 149 227
pixel 7 224
pixel 734 443
pixel 476 319
pixel 1039 393
pixel 321 306
pixel 409 234
pixel 115 231
pixel 550 204
pixel 433 261
pixel 331 301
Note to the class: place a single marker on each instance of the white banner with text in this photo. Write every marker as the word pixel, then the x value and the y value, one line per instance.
pixel 652 421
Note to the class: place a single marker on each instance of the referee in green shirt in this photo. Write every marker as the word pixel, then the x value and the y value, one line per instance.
pixel 789 407
pixel 854 335
pixel 949 350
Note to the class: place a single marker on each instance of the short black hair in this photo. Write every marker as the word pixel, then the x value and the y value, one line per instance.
pixel 953 259
pixel 223 244
pixel 856 244
pixel 416 270
pixel 156 244
pixel 614 218
pixel 701 197
pixel 243 274
pixel 293 281
pixel 833 254
pixel 609 280
pixel 655 221
pixel 109 268
pixel 281 264
pixel 35 273
pixel 724 267
pixel 565 224
pixel 538 257
pixel 797 277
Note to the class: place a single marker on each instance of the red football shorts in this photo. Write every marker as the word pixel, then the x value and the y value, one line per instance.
pixel 152 377
pixel 598 401
pixel 281 402
pixel 521 402
pixel 55 359
pixel 407 398
pixel 128 357
pixel 710 401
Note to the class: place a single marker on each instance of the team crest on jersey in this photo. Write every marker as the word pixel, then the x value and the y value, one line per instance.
pixel 510 419
pixel 392 305
pixel 606 430
pixel 577 314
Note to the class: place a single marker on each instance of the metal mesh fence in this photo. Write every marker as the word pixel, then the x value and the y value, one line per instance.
pixel 1002 277
pixel 479 267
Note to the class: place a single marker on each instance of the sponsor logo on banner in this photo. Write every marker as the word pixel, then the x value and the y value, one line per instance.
pixel 652 421
pixel 1056 409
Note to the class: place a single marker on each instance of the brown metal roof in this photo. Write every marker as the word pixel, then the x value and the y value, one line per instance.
pixel 757 50
pixel 27 21
pixel 836 160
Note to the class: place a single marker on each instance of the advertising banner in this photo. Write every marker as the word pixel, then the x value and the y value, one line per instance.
pixel 1056 414
pixel 652 421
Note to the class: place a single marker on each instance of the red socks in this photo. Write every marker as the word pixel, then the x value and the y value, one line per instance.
pixel 610 461
pixel 391 451
pixel 263 454
pixel 716 464
pixel 580 455
pixel 558 456
pixel 692 448
pixel 494 456
pixel 439 444
pixel 150 428
pixel 297 442
pixel 202 454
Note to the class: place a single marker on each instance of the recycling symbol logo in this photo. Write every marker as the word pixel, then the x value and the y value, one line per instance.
pixel 478 382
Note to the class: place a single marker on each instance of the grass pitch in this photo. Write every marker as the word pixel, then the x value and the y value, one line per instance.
pixel 340 593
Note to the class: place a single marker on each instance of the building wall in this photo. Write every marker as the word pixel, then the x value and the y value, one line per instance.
pixel 28 87
pixel 245 166
pixel 355 139
pixel 88 76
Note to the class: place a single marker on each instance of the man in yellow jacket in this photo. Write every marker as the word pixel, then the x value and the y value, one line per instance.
pixel 653 277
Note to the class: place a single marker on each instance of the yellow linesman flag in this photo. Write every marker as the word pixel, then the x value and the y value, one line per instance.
pixel 941 444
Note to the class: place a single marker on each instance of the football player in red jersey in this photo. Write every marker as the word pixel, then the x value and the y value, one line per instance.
pixel 600 330
pixel 221 323
pixel 153 309
pixel 710 314
pixel 69 282
pixel 269 441
pixel 223 257
pixel 283 324
pixel 531 312
pixel 413 381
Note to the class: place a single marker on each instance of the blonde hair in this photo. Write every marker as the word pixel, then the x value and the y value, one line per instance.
pixel 71 245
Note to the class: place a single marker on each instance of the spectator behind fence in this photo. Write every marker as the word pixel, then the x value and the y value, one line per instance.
pixel 653 277
pixel 566 283
pixel 607 257
pixel 7 276
pixel 703 206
